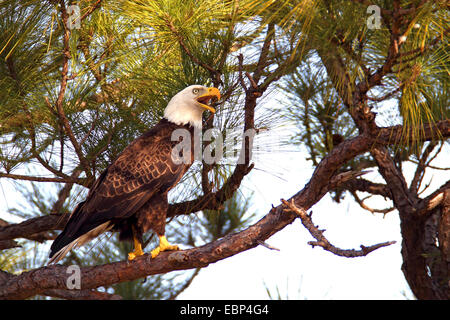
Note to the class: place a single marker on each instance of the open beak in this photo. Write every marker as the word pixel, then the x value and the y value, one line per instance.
pixel 204 99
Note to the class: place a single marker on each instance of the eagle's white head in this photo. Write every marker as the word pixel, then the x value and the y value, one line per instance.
pixel 187 106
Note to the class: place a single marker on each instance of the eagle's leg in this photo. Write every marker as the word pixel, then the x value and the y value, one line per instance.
pixel 137 246
pixel 164 245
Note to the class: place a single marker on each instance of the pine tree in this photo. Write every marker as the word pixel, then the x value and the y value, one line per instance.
pixel 365 82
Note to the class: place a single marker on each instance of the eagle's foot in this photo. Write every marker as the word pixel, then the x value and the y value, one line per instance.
pixel 135 254
pixel 137 250
pixel 164 245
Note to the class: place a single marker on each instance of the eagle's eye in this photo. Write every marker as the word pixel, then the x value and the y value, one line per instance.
pixel 195 91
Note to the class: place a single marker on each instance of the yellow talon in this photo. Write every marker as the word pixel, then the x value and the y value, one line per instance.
pixel 164 245
pixel 137 250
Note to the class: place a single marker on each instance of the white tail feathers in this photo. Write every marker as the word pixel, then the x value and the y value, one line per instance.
pixel 78 242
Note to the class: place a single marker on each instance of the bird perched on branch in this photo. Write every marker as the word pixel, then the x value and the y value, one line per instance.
pixel 130 196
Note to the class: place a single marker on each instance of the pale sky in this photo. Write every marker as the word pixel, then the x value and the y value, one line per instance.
pixel 301 272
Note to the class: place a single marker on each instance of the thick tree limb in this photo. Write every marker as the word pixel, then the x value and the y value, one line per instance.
pixel 8 244
pixel 403 199
pixel 395 135
pixel 54 277
pixel 415 266
pixel 33 226
pixel 88 294
pixel 433 200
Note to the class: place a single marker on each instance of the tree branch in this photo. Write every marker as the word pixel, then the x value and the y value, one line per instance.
pixel 38 179
pixel 322 241
pixel 8 244
pixel 430 202
pixel 403 199
pixel 396 135
pixel 366 207
pixel 39 280
pixel 33 226
pixel 420 169
pixel 364 185
pixel 91 9
pixel 62 90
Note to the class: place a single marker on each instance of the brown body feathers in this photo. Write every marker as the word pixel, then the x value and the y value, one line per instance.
pixel 131 194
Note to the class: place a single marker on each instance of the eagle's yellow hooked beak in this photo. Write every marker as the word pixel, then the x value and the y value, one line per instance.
pixel 204 99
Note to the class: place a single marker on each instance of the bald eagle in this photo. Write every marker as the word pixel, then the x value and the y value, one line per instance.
pixel 130 196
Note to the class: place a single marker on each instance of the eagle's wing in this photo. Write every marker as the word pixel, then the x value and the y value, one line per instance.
pixel 142 169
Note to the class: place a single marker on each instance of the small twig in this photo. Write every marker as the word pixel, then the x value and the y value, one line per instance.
pixel 263 56
pixel 341 178
pixel 38 179
pixel 388 95
pixel 322 241
pixel 91 129
pixel 366 207
pixel 91 9
pixel 430 166
pixel 241 78
pixel 421 50
pixel 421 167
pixel 266 245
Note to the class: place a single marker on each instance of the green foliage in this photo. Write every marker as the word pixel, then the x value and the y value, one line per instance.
pixel 317 110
